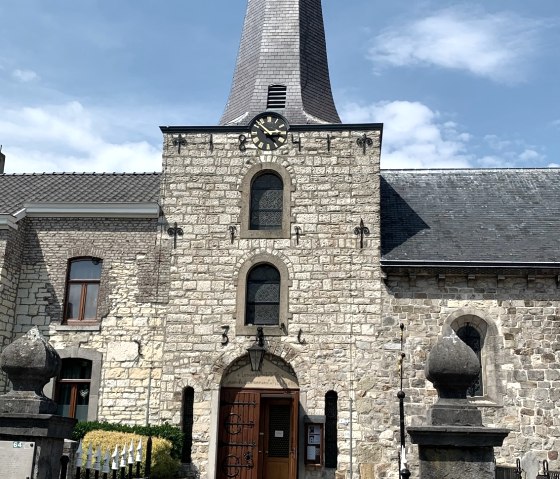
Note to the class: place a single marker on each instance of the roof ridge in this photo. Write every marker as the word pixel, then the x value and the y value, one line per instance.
pixel 74 173
pixel 481 170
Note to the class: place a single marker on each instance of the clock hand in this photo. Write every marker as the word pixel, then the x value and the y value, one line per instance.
pixel 266 130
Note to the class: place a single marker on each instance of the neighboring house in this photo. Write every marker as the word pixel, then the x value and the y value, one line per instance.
pixel 152 287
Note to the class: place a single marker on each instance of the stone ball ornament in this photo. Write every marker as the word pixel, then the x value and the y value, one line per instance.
pixel 452 366
pixel 30 362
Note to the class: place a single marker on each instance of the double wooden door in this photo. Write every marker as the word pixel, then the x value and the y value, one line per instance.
pixel 258 434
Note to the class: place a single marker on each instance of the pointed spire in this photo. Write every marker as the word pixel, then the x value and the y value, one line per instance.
pixel 282 65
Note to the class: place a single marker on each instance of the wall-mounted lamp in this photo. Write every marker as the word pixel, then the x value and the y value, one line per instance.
pixel 257 351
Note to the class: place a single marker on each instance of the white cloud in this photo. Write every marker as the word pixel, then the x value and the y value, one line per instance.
pixel 495 46
pixel 25 76
pixel 413 136
pixel 65 138
pixel 510 153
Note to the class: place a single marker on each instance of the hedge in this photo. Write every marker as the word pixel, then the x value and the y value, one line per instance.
pixel 166 431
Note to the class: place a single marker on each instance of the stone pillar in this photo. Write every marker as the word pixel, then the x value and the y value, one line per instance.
pixel 27 416
pixel 454 444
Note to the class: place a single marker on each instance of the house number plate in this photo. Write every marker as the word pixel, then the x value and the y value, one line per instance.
pixel 16 458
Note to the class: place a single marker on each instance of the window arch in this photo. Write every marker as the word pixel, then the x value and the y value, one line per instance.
pixel 481 334
pixel 331 433
pixel 262 296
pixel 187 424
pixel 267 190
pixel 82 290
pixel 472 338
pixel 73 388
pixel 266 202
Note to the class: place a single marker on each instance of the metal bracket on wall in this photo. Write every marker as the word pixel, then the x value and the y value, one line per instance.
pixel 300 340
pixel 297 142
pixel 364 141
pixel 361 231
pixel 329 141
pixel 179 142
pixel 297 229
pixel 242 143
pixel 232 230
pixel 211 142
pixel 175 231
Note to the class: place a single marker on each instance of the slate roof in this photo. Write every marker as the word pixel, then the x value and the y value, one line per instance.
pixel 15 190
pixel 283 43
pixel 497 216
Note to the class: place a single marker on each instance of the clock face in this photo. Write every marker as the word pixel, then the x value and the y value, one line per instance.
pixel 269 131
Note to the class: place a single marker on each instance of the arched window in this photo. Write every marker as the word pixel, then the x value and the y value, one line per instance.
pixel 267 197
pixel 263 296
pixel 187 424
pixel 266 191
pixel 263 283
pixel 73 388
pixel 470 336
pixel 331 418
pixel 82 289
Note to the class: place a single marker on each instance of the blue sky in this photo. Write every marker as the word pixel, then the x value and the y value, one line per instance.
pixel 84 85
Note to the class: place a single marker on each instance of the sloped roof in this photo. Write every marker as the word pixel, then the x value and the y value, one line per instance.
pixel 15 190
pixel 495 216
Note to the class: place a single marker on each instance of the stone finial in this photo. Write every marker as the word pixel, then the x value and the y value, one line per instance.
pixel 452 367
pixel 30 362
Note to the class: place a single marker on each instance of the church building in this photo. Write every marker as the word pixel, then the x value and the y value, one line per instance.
pixel 253 292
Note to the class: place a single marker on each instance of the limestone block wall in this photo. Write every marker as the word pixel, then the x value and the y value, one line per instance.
pixel 521 353
pixel 11 247
pixel 130 333
pixel 334 286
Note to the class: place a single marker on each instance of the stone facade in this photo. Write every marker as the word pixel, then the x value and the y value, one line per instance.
pixel 520 355
pixel 334 286
pixel 11 247
pixel 129 334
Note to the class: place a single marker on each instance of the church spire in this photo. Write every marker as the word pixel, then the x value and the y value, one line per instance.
pixel 282 65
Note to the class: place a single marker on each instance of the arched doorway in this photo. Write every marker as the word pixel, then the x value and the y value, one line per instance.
pixel 258 422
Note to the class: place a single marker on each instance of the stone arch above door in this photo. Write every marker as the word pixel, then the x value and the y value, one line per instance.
pixel 276 373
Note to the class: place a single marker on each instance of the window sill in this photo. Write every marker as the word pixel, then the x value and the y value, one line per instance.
pixel 251 330
pixel 483 401
pixel 76 327
pixel 265 234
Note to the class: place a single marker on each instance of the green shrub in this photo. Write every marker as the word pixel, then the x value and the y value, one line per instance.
pixel 165 431
pixel 163 465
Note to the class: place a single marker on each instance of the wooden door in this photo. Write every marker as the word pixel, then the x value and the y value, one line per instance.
pixel 279 444
pixel 238 434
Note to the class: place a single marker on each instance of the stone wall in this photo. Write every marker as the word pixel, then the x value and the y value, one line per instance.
pixel 130 333
pixel 334 286
pixel 11 247
pixel 521 354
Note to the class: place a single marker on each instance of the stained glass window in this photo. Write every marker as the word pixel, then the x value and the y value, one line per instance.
pixel 263 296
pixel 471 337
pixel 267 196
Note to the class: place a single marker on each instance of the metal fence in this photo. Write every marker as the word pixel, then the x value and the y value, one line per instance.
pixel 510 472
pixel 123 463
